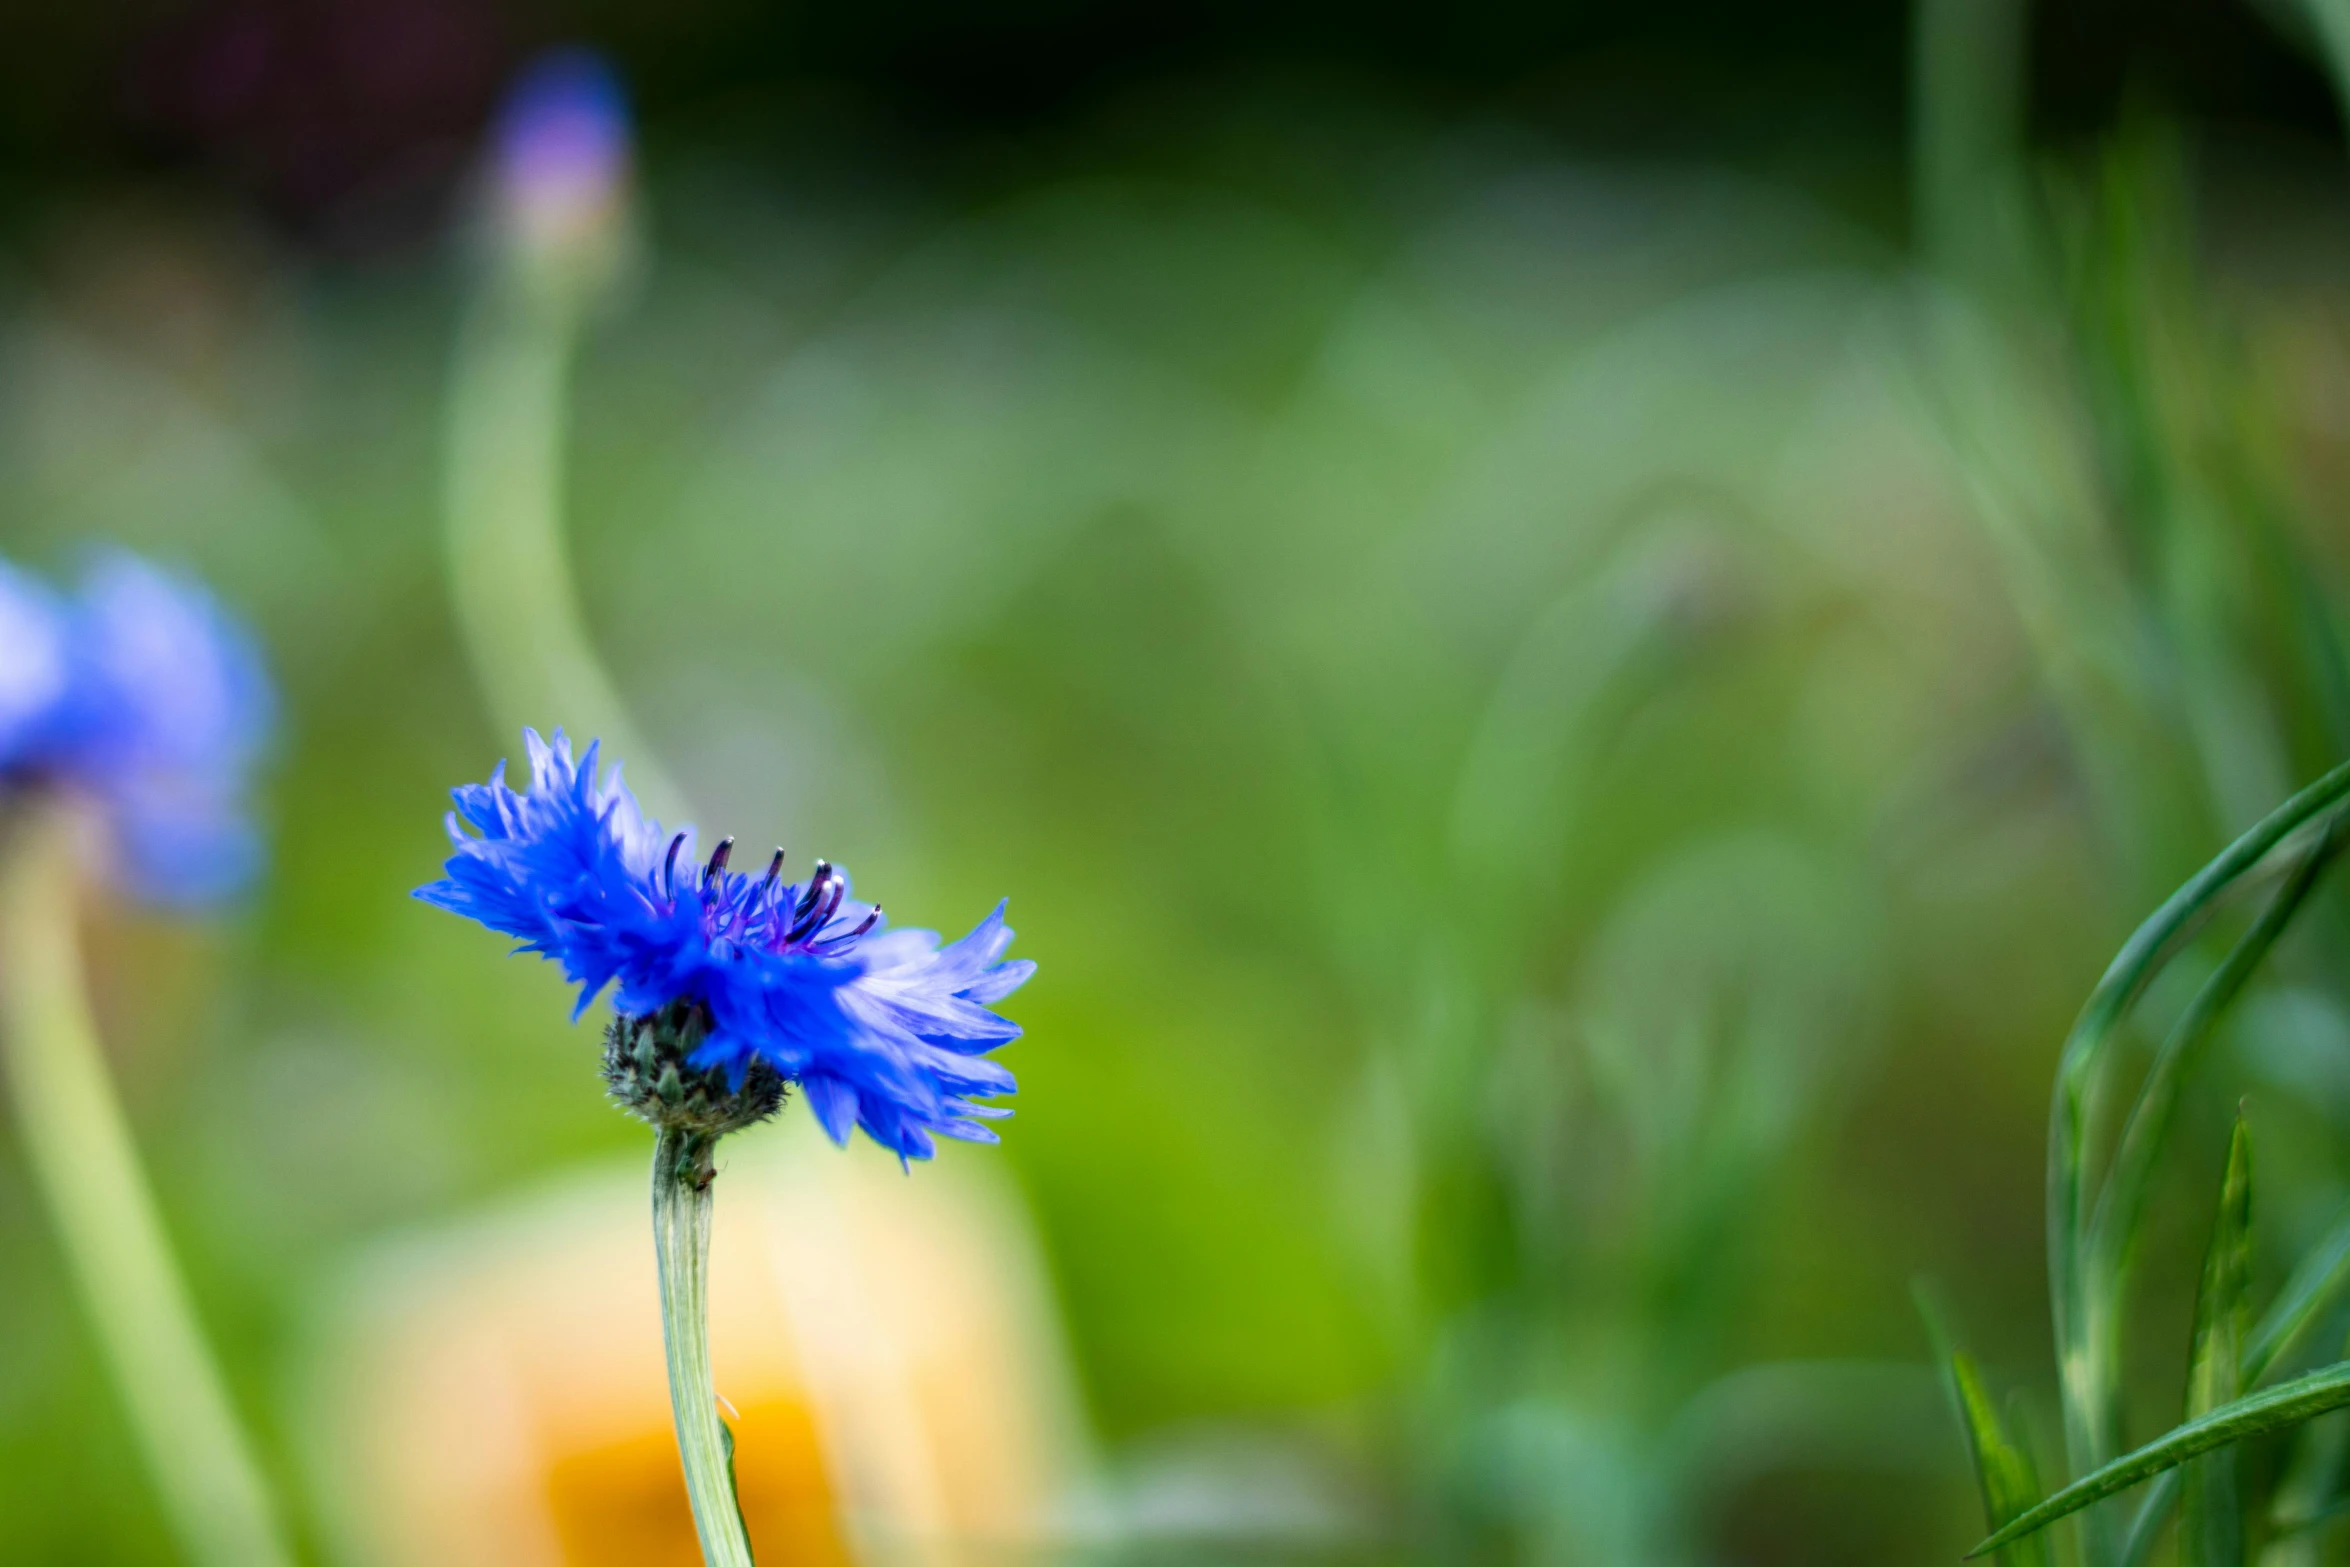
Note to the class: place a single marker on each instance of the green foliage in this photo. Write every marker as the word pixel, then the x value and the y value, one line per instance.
pixel 2211 1524
pixel 2004 1472
pixel 2222 1358
pixel 2174 567
pixel 2316 1284
pixel 1566 732
pixel 2279 1408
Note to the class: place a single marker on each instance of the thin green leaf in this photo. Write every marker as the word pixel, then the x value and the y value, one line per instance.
pixel 2122 1203
pixel 2153 1512
pixel 2302 1523
pixel 2113 1230
pixel 2306 1495
pixel 2316 1283
pixel 2003 1468
pixel 2083 1326
pixel 733 1485
pixel 2211 1516
pixel 2271 1409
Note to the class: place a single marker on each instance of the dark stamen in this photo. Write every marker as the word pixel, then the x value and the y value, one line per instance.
pixel 832 944
pixel 718 859
pixel 834 890
pixel 669 866
pixel 815 890
pixel 774 869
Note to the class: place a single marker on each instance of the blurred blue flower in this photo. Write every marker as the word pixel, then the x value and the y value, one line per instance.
pixel 144 697
pixel 561 149
pixel 33 668
pixel 166 712
pixel 883 1029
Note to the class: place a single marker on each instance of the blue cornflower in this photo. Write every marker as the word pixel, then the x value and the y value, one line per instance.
pixel 141 695
pixel 33 669
pixel 561 152
pixel 752 978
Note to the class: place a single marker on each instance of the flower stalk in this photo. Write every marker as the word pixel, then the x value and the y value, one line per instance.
pixel 87 1173
pixel 559 192
pixel 727 989
pixel 682 1174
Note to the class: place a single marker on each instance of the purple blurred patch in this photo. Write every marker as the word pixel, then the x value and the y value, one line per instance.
pixel 349 122
pixel 562 138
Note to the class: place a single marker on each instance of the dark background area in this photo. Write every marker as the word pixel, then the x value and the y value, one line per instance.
pixel 345 122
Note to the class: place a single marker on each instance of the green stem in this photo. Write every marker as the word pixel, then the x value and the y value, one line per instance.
pixel 510 575
pixel 1967 73
pixel 682 1173
pixel 87 1172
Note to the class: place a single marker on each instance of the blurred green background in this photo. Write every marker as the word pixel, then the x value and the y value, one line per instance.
pixel 1574 633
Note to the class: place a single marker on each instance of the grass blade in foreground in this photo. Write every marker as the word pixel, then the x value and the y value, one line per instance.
pixel 2211 1524
pixel 2119 1208
pixel 2314 1286
pixel 2153 1513
pixel 2083 1326
pixel 2275 1409
pixel 2003 1469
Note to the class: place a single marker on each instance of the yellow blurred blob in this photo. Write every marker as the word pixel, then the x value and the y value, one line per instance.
pixel 494 1393
pixel 625 1504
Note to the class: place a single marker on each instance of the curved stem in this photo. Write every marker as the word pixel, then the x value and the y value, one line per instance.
pixel 682 1173
pixel 87 1172
pixel 510 575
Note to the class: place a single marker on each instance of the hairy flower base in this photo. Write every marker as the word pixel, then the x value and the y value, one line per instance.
pixel 648 1074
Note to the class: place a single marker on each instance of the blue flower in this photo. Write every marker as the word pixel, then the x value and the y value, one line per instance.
pixel 144 697
pixel 33 666
pixel 561 150
pixel 883 1029
pixel 167 711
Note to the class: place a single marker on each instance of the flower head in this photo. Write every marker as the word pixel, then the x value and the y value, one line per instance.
pixel 560 153
pixel 884 1029
pixel 33 668
pixel 141 695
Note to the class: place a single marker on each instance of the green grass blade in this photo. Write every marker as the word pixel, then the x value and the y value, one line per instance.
pixel 2316 1284
pixel 2113 1230
pixel 2272 1409
pixel 2123 1201
pixel 2211 1518
pixel 2306 1496
pixel 2003 1468
pixel 2084 1353
pixel 2153 1512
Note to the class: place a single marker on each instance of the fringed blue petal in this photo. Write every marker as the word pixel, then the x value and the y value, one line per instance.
pixel 883 1030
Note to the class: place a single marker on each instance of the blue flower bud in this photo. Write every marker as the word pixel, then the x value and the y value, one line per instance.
pixel 561 154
